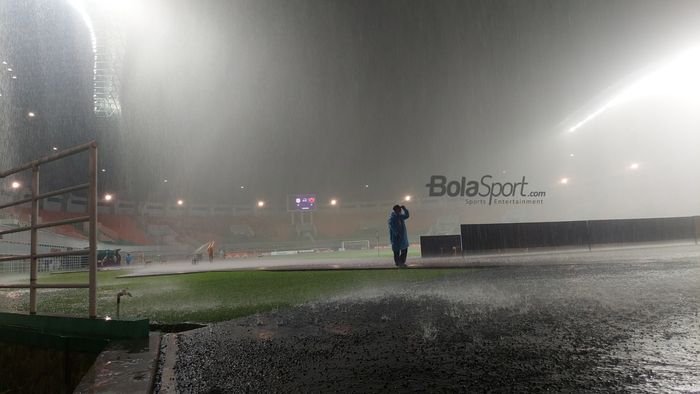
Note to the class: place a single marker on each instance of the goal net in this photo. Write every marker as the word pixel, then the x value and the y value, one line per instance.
pixel 362 244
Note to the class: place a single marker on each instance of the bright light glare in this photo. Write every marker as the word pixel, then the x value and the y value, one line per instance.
pixel 261 204
pixel 334 202
pixel 16 185
pixel 634 166
pixel 31 114
pixel 180 202
pixel 121 13
pixel 678 77
pixel 81 9
pixel 407 198
pixel 564 181
pixel 108 197
pixel 108 318
pixel 54 148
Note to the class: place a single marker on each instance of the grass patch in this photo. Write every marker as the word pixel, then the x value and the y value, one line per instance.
pixel 210 296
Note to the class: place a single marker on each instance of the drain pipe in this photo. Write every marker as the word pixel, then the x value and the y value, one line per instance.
pixel 119 296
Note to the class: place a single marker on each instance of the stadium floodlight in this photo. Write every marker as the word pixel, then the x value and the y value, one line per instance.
pixel 54 148
pixel 180 202
pixel 334 202
pixel 31 114
pixel 564 181
pixel 103 170
pixel 108 197
pixel 676 77
pixel 261 204
pixel 407 198
pixel 16 185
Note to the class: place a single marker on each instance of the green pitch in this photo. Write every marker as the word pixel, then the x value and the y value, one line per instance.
pixel 211 296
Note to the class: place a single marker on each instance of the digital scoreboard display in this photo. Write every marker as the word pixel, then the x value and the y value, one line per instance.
pixel 303 202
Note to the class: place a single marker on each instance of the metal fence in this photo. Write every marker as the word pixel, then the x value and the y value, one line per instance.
pixel 47 265
pixel 51 258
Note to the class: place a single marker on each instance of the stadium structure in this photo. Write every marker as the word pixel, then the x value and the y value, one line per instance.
pixel 153 231
pixel 107 45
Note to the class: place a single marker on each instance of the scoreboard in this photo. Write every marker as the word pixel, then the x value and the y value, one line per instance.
pixel 302 202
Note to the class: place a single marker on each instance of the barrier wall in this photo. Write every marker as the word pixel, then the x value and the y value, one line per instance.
pixel 481 237
pixel 642 230
pixel 584 234
pixel 440 245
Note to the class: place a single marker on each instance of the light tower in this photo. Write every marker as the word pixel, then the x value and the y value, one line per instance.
pixel 108 47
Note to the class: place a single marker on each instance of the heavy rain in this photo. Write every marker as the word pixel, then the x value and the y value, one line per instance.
pixel 541 154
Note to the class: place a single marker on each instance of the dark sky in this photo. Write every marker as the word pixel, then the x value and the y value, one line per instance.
pixel 326 96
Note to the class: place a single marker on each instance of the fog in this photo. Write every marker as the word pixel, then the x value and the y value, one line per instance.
pixel 364 100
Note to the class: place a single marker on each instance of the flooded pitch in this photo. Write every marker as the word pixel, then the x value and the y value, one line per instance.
pixel 623 326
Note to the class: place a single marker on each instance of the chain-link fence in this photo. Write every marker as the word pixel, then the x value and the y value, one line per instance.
pixel 53 264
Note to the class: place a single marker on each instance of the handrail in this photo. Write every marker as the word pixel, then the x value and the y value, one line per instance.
pixel 79 219
pixel 18 202
pixel 50 158
pixel 15 230
pixel 42 196
pixel 65 190
pixel 47 286
pixel 91 217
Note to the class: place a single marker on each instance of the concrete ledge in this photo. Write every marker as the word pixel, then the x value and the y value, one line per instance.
pixel 44 340
pixel 77 326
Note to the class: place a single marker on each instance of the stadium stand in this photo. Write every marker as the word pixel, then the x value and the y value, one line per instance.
pixel 125 228
pixel 234 227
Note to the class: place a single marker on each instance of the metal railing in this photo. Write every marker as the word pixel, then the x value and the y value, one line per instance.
pixel 34 225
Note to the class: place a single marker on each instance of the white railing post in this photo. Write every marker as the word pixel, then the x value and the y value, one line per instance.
pixel 92 212
pixel 33 270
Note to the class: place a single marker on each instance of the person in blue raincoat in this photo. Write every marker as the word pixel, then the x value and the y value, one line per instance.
pixel 398 234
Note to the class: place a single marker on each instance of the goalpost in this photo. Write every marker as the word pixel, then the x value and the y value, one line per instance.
pixel 362 244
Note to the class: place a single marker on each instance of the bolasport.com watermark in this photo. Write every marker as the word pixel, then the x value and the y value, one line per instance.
pixel 486 191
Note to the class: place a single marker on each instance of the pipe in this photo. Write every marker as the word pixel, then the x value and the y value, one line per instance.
pixel 119 296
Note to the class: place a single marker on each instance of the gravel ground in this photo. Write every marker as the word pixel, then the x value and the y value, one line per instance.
pixel 620 327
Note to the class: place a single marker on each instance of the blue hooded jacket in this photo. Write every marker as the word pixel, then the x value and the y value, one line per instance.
pixel 397 230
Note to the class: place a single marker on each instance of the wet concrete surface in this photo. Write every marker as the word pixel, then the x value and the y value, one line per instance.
pixel 627 326
pixel 126 366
